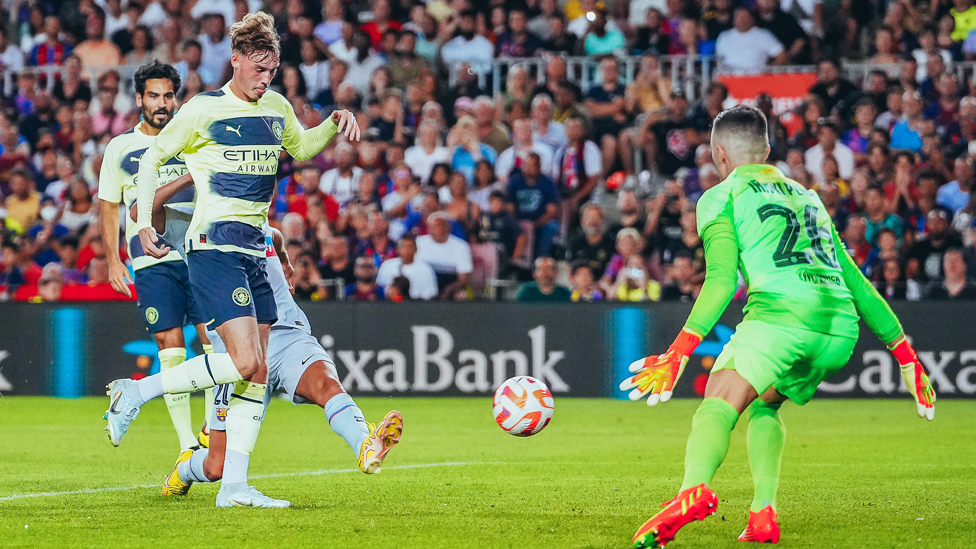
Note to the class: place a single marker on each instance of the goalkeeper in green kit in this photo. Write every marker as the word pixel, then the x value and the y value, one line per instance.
pixel 800 326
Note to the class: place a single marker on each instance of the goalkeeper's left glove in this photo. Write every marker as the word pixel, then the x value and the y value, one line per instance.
pixel 657 374
pixel 915 377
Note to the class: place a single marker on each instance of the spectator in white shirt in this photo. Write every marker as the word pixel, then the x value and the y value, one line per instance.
pixel 447 254
pixel 469 47
pixel 342 182
pixel 747 48
pixel 11 58
pixel 215 47
pixel 828 144
pixel 427 152
pixel 423 280
pixel 544 129
pixel 314 69
pixel 523 144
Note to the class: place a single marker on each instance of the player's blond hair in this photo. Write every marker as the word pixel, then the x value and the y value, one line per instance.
pixel 255 34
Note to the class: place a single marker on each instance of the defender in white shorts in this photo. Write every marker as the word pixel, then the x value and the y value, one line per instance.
pixel 297 363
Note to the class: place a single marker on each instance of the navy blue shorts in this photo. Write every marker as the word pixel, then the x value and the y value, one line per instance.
pixel 165 297
pixel 229 285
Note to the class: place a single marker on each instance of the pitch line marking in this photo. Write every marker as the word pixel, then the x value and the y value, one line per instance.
pixel 273 475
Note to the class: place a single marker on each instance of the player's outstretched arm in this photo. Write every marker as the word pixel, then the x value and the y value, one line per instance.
pixel 877 314
pixel 304 144
pixel 170 141
pixel 656 375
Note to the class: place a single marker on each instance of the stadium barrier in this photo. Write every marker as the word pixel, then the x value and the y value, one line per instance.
pixel 435 349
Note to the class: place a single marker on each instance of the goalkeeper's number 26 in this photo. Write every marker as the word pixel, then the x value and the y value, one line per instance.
pixel 785 255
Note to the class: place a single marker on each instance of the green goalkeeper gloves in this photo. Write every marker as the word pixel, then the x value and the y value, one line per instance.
pixel 656 375
pixel 915 377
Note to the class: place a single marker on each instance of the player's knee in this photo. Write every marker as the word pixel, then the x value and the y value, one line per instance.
pixel 213 469
pixel 247 365
pixel 169 339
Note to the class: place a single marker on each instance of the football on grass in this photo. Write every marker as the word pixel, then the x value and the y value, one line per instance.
pixel 523 406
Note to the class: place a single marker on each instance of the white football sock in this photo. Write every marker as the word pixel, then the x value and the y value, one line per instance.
pixel 244 416
pixel 192 469
pixel 199 373
pixel 178 404
pixel 347 420
pixel 208 394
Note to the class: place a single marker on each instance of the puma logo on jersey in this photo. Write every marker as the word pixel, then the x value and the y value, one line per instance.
pixel 236 130
pixel 135 159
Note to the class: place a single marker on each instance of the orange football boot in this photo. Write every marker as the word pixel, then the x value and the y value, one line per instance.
pixel 762 527
pixel 695 503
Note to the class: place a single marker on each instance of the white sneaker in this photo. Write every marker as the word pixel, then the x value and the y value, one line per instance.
pixel 120 411
pixel 249 497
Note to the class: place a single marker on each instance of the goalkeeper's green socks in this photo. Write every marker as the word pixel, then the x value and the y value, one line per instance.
pixel 708 442
pixel 766 437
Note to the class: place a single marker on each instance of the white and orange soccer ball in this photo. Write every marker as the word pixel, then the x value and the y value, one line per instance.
pixel 523 406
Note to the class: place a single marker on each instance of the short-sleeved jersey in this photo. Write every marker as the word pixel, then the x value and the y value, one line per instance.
pixel 787 252
pixel 231 148
pixel 117 184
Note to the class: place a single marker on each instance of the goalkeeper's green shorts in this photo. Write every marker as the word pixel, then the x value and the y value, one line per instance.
pixel 792 360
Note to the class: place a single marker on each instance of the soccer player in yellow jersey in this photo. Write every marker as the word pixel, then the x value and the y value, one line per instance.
pixel 231 139
pixel 800 326
pixel 162 284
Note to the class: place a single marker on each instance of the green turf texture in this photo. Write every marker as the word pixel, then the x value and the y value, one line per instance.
pixel 859 474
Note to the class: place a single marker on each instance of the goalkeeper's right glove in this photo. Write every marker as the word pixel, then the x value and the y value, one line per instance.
pixel 915 377
pixel 657 374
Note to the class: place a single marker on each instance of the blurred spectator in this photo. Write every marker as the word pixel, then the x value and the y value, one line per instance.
pixel 490 131
pixel 423 280
pixel 747 48
pixel 683 285
pixel 578 165
pixel 307 278
pixel 377 244
pixel 629 243
pixel 342 182
pixel 193 63
pixel 52 50
pixel 79 209
pixel 785 28
pixel 956 194
pixel 428 151
pixel 561 40
pixel 468 47
pixel 584 288
pixel 858 138
pixel 215 48
pixel 600 39
pixel 567 103
pixel 365 287
pixel 96 50
pixel 925 257
pixel 11 277
pixel 544 129
pixel 498 229
pixel 536 202
pixel 651 39
pixel 832 89
pixel 827 144
pixel 50 285
pixel 885 249
pixel 543 288
pixel 690 244
pixel 906 133
pixel 955 284
pixel 669 140
pixel 467 150
pixel 449 256
pixel 67 250
pixel 107 119
pixel 634 283
pixel 606 103
pixel 893 285
pixel 24 203
pixel 11 57
pixel 336 265
pixel 514 157
pixel 876 217
pixel 517 41
pixel 592 246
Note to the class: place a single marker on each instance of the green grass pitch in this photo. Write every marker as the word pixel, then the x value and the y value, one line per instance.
pixel 855 474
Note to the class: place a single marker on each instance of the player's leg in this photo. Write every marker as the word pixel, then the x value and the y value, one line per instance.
pixel 172 352
pixel 766 438
pixel 370 442
pixel 203 464
pixel 247 403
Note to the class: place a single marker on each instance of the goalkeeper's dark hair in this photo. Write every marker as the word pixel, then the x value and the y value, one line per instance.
pixel 156 70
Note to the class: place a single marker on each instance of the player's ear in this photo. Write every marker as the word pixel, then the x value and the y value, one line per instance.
pixel 235 61
pixel 138 100
pixel 765 156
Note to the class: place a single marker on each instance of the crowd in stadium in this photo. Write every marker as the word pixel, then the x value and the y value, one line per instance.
pixel 459 191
